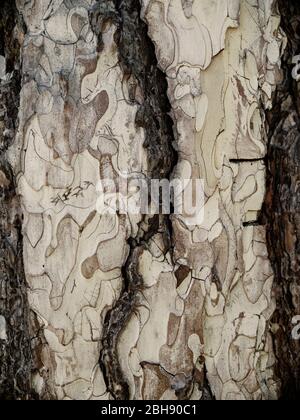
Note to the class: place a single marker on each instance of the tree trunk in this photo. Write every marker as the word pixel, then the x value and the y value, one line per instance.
pixel 191 299
pixel 282 202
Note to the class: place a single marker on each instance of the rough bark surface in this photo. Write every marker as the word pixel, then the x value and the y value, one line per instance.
pixel 15 342
pixel 133 306
pixel 218 95
pixel 283 205
pixel 139 64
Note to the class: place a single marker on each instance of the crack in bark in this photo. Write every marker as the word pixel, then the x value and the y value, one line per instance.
pixel 15 347
pixel 282 206
pixel 138 59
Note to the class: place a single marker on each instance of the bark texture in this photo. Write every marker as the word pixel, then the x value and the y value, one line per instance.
pixel 218 96
pixel 283 205
pixel 15 342
pixel 133 306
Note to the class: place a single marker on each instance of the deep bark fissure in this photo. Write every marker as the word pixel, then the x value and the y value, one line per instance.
pixel 15 343
pixel 282 206
pixel 137 59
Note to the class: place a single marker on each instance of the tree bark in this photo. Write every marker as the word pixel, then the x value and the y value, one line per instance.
pixel 282 206
pixel 15 341
pixel 99 304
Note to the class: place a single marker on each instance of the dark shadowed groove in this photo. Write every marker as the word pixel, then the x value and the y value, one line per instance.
pixel 282 206
pixel 15 350
pixel 138 59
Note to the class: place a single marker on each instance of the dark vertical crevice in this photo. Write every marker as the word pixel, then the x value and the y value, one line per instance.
pixel 207 394
pixel 15 345
pixel 282 206
pixel 138 61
